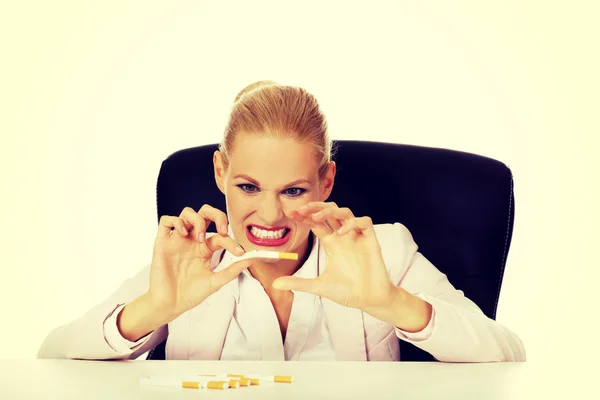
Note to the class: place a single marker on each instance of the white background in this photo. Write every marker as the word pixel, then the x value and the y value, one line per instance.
pixel 94 95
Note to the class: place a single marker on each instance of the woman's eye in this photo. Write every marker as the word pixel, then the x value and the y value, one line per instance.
pixel 248 188
pixel 294 192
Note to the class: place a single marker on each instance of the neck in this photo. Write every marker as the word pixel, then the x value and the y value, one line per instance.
pixel 267 272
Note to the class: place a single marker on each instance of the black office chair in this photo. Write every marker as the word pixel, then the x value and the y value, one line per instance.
pixel 458 206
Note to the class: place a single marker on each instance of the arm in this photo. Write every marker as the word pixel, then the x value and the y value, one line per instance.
pixel 85 338
pixel 423 297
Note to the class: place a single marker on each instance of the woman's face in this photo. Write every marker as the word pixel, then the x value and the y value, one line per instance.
pixel 267 178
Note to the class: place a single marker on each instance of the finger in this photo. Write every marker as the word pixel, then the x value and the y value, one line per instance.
pixel 337 213
pixel 314 207
pixel 332 223
pixel 362 225
pixel 296 216
pixel 225 276
pixel 210 213
pixel 308 285
pixel 322 227
pixel 217 242
pixel 195 222
pixel 334 216
pixel 167 223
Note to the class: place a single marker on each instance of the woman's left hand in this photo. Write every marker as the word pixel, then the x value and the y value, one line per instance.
pixel 355 274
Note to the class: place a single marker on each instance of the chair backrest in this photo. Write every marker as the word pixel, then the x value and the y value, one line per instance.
pixel 458 206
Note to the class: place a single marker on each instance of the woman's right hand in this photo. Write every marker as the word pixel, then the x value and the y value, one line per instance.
pixel 180 274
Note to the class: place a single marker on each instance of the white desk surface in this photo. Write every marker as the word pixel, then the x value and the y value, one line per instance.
pixel 70 379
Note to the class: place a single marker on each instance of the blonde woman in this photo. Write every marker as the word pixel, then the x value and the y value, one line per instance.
pixel 354 292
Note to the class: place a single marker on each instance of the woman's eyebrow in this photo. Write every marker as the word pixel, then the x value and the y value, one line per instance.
pixel 248 178
pixel 298 181
pixel 255 182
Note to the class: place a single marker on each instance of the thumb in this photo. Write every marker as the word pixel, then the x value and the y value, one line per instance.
pixel 309 285
pixel 223 277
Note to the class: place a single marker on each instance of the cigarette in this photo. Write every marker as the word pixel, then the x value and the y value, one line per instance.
pixel 216 385
pixel 273 378
pixel 246 382
pixel 266 378
pixel 187 383
pixel 222 385
pixel 235 381
pixel 243 380
pixel 266 254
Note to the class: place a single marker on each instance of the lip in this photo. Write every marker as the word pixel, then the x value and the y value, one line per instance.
pixel 264 228
pixel 268 242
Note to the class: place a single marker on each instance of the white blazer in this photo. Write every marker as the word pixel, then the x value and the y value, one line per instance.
pixel 460 332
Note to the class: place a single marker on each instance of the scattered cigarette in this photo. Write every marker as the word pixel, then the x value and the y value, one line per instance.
pixel 267 378
pixel 245 382
pixel 213 381
pixel 186 384
pixel 234 383
pixel 273 378
pixel 216 385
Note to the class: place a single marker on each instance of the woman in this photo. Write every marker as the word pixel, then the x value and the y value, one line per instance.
pixel 353 292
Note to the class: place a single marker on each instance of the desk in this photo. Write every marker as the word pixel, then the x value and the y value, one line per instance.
pixel 70 379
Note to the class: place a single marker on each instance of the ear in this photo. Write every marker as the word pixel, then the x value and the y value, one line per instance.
pixel 220 170
pixel 327 181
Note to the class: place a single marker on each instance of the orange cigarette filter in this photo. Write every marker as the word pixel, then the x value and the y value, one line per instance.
pixel 288 256
pixel 191 385
pixel 282 379
pixel 244 382
pixel 217 385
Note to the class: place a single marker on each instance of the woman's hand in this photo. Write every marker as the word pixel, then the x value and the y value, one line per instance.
pixel 180 274
pixel 355 274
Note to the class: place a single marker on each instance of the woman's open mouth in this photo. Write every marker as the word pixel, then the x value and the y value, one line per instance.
pixel 272 237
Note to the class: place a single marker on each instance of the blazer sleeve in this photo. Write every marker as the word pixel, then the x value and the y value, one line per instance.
pixel 459 331
pixel 85 337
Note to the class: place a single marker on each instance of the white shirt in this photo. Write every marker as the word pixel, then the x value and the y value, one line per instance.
pixel 254 332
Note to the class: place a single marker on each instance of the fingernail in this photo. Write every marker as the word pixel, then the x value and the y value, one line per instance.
pixel 341 230
pixel 239 249
pixel 201 237
pixel 224 228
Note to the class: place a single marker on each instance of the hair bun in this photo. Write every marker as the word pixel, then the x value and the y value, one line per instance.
pixel 254 86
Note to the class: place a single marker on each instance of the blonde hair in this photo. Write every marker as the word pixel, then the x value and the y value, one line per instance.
pixel 267 108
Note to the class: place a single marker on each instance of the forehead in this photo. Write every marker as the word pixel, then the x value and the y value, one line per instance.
pixel 272 160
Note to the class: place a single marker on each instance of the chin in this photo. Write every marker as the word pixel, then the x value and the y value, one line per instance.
pixel 269 261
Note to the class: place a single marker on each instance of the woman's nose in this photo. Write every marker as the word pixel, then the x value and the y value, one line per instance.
pixel 270 209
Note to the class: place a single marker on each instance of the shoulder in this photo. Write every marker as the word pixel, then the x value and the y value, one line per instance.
pixel 393 235
pixel 398 247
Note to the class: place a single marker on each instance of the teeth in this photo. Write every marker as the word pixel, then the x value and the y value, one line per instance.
pixel 263 234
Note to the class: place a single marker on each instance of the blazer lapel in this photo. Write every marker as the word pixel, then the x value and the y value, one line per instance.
pixel 345 325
